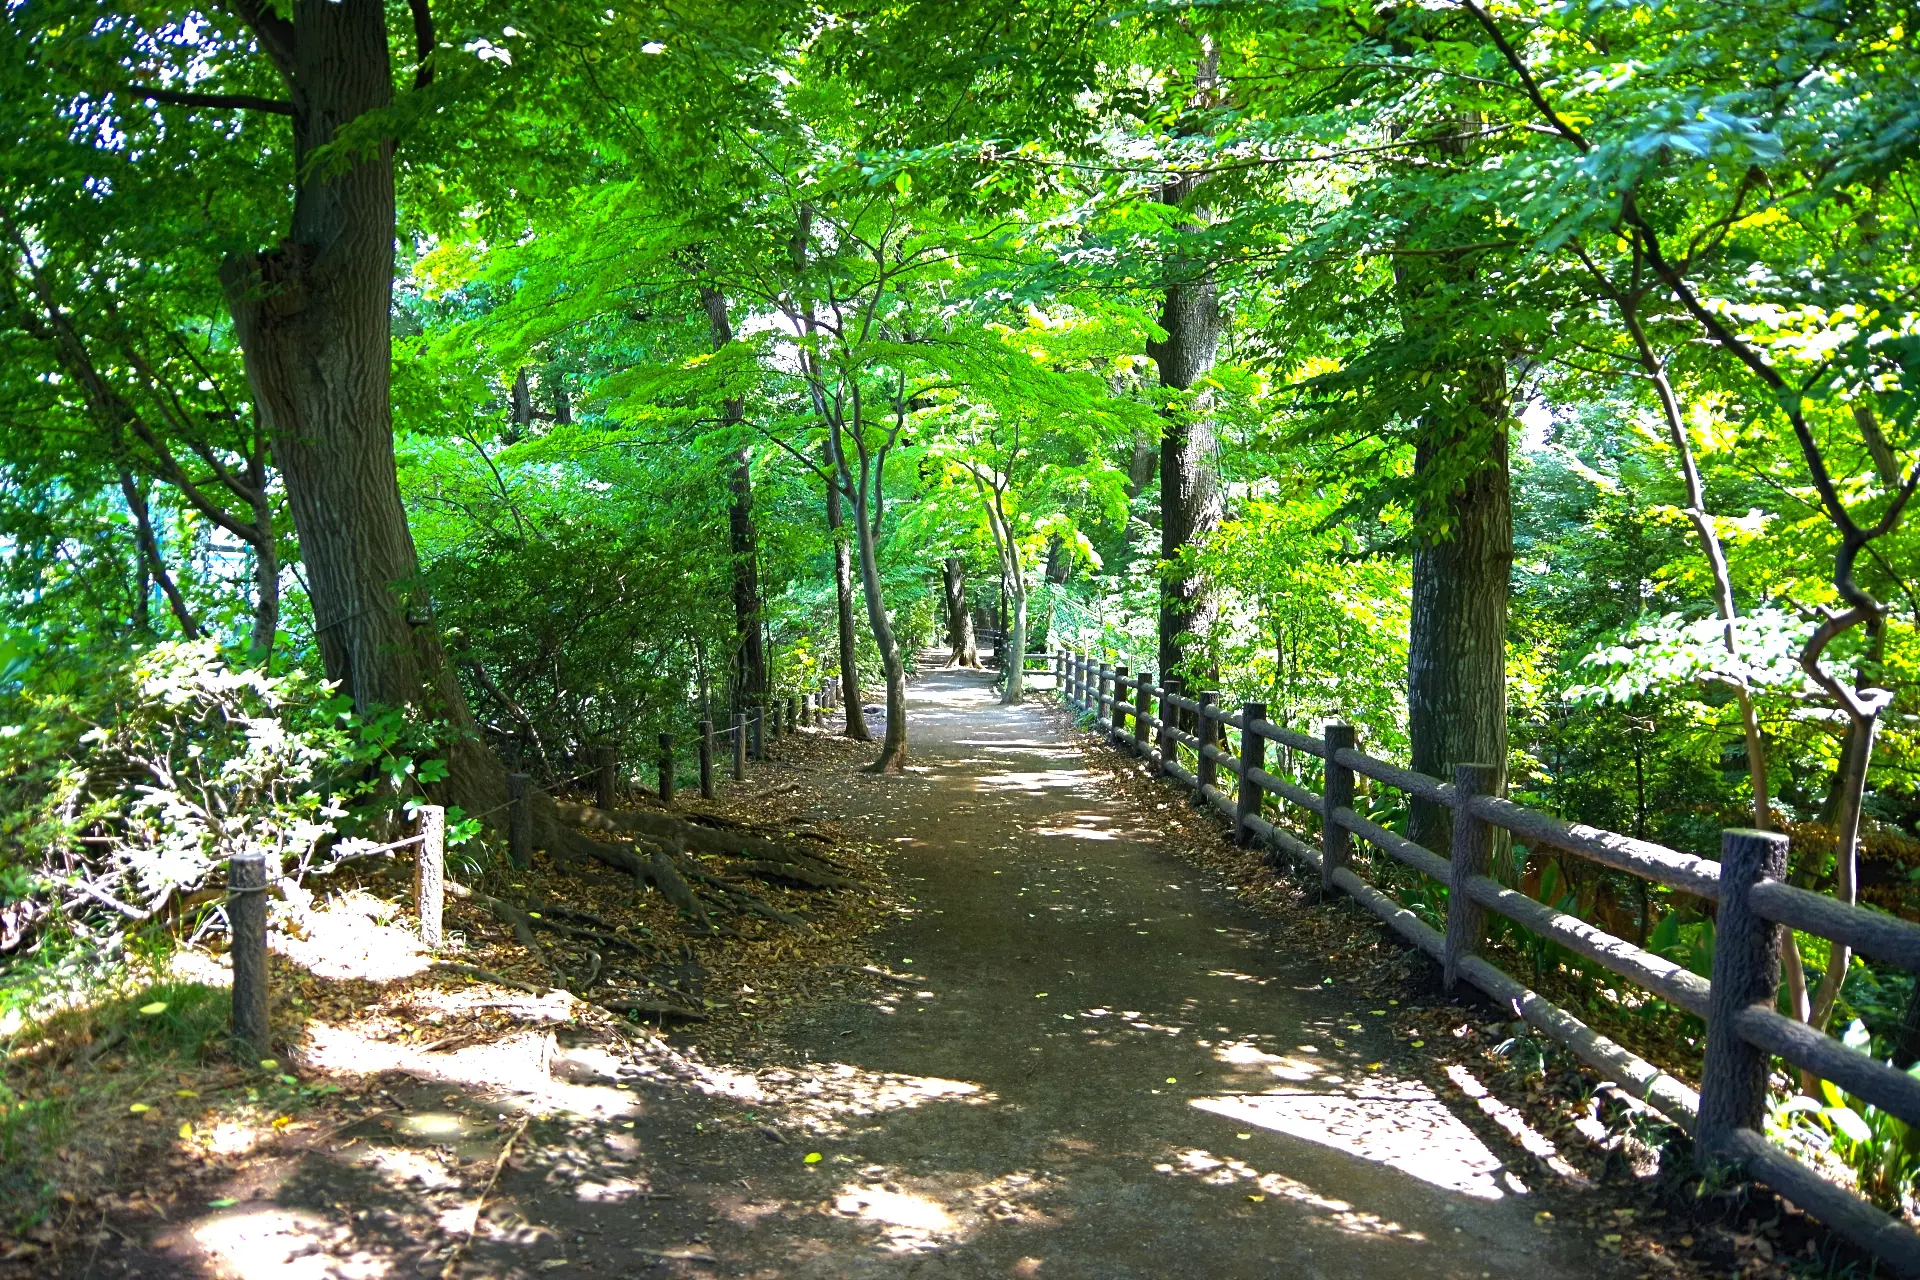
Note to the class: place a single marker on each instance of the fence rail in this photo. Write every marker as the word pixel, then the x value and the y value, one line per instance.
pixel 1744 1030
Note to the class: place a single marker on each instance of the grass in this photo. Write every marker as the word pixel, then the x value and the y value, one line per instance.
pixel 67 1084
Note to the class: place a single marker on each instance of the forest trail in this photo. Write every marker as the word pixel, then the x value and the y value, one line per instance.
pixel 1102 1067
pixel 1159 1093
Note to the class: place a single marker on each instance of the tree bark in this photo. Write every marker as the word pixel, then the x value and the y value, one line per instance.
pixel 1190 499
pixel 750 656
pixel 312 318
pixel 893 743
pixel 1456 651
pixel 156 567
pixel 964 650
pixel 850 694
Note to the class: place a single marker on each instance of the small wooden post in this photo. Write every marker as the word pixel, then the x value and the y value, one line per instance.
pixel 1207 729
pixel 706 759
pixel 1472 847
pixel 793 713
pixel 666 768
pixel 247 919
pixel 1253 755
pixel 759 727
pixel 1169 718
pixel 1336 842
pixel 606 775
pixel 519 820
pixel 430 873
pixel 1142 711
pixel 739 746
pixel 1746 971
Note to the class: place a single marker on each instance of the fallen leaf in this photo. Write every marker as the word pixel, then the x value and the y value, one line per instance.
pixel 157 1007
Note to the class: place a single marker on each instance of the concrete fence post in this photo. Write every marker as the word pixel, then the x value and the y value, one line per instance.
pixel 1170 688
pixel 1472 847
pixel 1746 971
pixel 519 820
pixel 247 919
pixel 606 775
pixel 1253 755
pixel 1336 792
pixel 706 759
pixel 1142 711
pixel 793 713
pixel 1207 729
pixel 430 873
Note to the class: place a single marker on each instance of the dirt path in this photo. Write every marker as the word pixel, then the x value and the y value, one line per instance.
pixel 1102 1067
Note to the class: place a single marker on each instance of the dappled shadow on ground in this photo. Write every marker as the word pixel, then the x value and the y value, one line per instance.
pixel 1086 1064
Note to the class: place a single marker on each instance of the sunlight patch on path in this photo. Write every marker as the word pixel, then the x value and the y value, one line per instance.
pixel 285 1244
pixel 1225 1172
pixel 1407 1129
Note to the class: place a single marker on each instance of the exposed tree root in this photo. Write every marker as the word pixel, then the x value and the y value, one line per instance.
pixel 799 875
pixel 488 975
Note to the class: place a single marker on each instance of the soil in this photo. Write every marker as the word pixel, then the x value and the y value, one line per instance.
pixel 1077 1055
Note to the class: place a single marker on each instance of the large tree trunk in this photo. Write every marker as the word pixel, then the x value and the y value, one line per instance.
pixel 750 655
pixel 850 694
pixel 312 318
pixel 1190 500
pixel 964 651
pixel 1456 650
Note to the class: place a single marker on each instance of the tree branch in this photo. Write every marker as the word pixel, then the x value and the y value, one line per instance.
pixel 422 42
pixel 241 101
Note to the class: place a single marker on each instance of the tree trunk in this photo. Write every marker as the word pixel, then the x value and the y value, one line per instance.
pixel 750 657
pixel 149 544
pixel 1456 652
pixel 312 319
pixel 1190 500
pixel 850 694
pixel 1016 652
pixel 893 744
pixel 965 651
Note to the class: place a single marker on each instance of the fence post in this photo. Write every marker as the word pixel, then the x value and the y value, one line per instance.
pixel 606 775
pixel 519 820
pixel 1142 711
pixel 706 759
pixel 1169 745
pixel 1746 971
pixel 1336 842
pixel 1472 847
pixel 739 746
pixel 793 713
pixel 247 919
pixel 1253 755
pixel 758 725
pixel 666 768
pixel 1207 730
pixel 1117 709
pixel 809 714
pixel 430 872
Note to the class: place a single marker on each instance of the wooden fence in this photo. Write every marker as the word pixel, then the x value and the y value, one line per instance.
pixel 1744 1030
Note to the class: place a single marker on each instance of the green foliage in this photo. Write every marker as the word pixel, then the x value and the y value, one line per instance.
pixel 1881 1150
